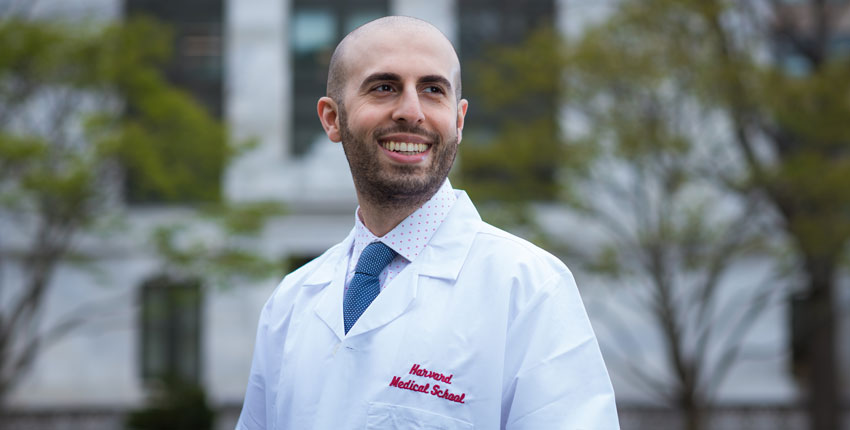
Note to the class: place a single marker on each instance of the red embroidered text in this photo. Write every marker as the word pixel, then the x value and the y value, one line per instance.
pixel 418 371
pixel 409 385
pixel 446 394
pixel 436 391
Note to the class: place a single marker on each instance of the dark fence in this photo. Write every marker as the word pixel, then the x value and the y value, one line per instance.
pixel 92 418
pixel 748 417
pixel 741 417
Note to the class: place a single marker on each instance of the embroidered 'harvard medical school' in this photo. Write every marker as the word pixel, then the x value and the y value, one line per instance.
pixel 364 285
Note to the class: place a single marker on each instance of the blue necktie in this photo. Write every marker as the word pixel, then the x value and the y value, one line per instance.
pixel 364 286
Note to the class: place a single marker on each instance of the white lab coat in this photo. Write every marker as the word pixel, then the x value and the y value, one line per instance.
pixel 482 330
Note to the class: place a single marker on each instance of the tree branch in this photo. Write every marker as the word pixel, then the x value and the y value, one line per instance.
pixel 733 342
pixel 39 264
pixel 639 376
pixel 735 92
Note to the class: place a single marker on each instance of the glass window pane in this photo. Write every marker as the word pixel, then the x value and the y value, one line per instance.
pixel 196 67
pixel 316 27
pixel 154 339
pixel 360 17
pixel 187 333
pixel 312 30
pixel 170 323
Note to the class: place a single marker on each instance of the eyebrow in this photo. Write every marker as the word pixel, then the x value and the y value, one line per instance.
pixel 393 77
pixel 436 79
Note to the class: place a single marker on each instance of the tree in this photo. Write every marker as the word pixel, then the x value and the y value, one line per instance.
pixel 637 176
pixel 517 158
pixel 665 78
pixel 787 128
pixel 84 109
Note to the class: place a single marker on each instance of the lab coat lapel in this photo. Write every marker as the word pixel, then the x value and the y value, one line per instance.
pixel 442 258
pixel 331 275
pixel 391 303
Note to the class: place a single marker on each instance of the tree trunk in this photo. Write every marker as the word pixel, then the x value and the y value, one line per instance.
pixel 823 397
pixel 692 407
pixel 693 417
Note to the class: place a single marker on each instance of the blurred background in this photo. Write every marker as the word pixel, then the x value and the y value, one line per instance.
pixel 162 167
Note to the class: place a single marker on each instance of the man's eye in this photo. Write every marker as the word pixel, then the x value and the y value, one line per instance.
pixel 434 89
pixel 383 88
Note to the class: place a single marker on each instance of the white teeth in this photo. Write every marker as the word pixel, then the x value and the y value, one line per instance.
pixel 405 147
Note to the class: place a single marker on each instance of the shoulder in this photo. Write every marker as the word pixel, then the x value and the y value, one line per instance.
pixel 527 277
pixel 470 248
pixel 515 253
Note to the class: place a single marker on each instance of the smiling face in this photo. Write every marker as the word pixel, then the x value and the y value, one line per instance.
pixel 398 116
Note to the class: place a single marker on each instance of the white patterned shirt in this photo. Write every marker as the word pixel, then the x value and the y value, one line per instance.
pixel 408 238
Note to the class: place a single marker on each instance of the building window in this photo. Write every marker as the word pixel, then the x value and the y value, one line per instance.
pixel 196 67
pixel 485 25
pixel 170 329
pixel 316 27
pixel 295 261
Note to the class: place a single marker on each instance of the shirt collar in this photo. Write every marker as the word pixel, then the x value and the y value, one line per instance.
pixel 411 235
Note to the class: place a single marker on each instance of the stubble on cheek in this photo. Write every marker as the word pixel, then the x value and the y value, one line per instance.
pixel 389 185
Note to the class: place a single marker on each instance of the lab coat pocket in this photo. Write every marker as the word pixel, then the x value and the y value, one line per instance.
pixel 387 416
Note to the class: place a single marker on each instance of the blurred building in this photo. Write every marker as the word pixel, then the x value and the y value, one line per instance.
pixel 260 66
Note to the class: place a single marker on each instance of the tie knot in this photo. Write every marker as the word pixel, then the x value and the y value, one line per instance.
pixel 374 258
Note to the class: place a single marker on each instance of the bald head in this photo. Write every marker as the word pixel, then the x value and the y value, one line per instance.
pixel 389 28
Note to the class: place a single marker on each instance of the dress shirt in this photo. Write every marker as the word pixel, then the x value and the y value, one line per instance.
pixel 408 238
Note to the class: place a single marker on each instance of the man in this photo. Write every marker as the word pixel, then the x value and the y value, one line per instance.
pixel 424 317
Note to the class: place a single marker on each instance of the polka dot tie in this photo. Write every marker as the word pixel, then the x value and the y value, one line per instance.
pixel 364 286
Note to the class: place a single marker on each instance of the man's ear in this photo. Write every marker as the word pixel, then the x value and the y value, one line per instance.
pixel 329 116
pixel 462 105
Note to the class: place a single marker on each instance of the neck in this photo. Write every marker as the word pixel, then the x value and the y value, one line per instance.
pixel 380 218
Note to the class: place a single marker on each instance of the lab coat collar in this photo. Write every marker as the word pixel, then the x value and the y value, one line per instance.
pixel 443 258
pixel 332 268
pixel 444 255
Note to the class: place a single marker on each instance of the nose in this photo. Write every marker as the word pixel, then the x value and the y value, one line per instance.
pixel 408 109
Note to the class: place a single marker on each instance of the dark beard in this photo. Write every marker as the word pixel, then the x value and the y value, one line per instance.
pixel 395 187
